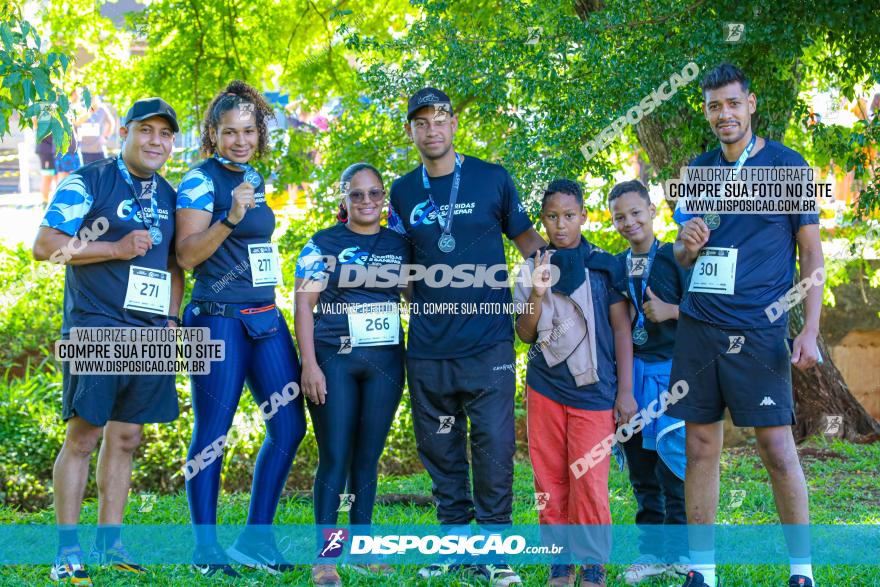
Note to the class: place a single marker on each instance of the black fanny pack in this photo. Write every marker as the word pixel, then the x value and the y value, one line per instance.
pixel 261 322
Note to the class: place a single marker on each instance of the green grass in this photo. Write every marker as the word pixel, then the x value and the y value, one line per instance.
pixel 843 483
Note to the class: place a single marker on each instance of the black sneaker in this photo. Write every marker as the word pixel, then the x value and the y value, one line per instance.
pixel 695 579
pixel 259 554
pixel 117 557
pixel 498 575
pixel 69 567
pixel 800 581
pixel 204 562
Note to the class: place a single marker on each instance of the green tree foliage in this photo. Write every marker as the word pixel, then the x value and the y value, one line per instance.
pixel 30 77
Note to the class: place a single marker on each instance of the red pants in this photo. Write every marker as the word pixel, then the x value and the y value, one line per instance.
pixel 558 436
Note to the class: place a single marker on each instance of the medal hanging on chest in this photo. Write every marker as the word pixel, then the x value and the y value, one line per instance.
pixel 446 242
pixel 639 332
pixel 151 220
pixel 712 219
pixel 251 175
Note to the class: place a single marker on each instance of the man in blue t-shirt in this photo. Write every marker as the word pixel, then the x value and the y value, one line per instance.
pixel 728 348
pixel 112 224
pixel 460 359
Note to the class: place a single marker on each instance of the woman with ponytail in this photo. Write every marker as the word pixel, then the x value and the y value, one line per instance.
pixel 224 233
pixel 352 352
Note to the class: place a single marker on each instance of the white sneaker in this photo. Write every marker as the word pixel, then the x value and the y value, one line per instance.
pixel 645 567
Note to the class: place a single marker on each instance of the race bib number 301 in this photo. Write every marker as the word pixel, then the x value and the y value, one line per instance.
pixel 265 265
pixel 374 324
pixel 149 290
pixel 715 271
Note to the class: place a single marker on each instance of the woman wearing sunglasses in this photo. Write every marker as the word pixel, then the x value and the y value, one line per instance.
pixel 352 352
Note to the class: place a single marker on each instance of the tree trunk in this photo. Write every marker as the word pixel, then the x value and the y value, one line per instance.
pixel 823 402
pixel 821 395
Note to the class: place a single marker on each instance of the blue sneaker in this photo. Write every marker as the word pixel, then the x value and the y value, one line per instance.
pixel 800 581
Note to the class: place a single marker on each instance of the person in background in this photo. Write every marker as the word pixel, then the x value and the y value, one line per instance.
pixel 95 127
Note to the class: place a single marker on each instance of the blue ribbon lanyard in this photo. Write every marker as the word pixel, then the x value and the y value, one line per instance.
pixel 251 175
pixel 742 156
pixel 640 315
pixel 446 225
pixel 154 184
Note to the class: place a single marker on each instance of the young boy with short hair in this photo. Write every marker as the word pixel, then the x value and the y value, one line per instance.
pixel 655 284
pixel 578 379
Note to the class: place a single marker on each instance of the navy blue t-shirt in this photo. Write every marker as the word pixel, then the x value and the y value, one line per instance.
pixel 766 246
pixel 225 276
pixel 557 383
pixel 385 249
pixel 94 294
pixel 487 207
pixel 668 281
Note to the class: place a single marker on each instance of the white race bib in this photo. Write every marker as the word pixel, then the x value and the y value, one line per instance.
pixel 149 290
pixel 715 271
pixel 265 265
pixel 374 324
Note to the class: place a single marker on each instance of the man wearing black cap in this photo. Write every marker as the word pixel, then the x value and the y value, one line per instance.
pixel 120 212
pixel 460 364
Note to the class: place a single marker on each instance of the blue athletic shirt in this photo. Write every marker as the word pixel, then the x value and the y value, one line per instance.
pixel 225 276
pixel 386 249
pixel 668 281
pixel 557 383
pixel 487 207
pixel 766 256
pixel 94 294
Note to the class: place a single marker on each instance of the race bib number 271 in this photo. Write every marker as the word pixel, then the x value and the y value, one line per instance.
pixel 149 290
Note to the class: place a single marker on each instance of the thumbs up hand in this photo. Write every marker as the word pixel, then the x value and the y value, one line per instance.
pixel 656 310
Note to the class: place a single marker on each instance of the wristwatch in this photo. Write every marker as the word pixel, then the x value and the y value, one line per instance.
pixel 174 319
pixel 225 222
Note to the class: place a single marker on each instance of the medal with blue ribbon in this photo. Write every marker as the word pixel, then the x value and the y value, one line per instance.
pixel 151 221
pixel 446 243
pixel 251 175
pixel 639 333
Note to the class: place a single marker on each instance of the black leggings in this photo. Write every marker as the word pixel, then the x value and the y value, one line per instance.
pixel 363 391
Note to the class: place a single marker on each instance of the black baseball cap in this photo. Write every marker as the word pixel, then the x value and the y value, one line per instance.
pixel 150 107
pixel 426 97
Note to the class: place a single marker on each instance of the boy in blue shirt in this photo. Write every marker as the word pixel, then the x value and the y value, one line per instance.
pixel 655 284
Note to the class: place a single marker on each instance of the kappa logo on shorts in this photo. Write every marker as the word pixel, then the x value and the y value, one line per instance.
pixel 736 344
pixel 767 401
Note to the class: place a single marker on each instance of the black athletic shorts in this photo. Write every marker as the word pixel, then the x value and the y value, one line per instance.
pixel 747 371
pixel 136 399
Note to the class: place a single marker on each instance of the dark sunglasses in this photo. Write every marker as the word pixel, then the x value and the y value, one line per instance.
pixel 357 196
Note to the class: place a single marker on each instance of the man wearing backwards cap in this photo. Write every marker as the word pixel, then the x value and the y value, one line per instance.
pixel 120 213
pixel 461 366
